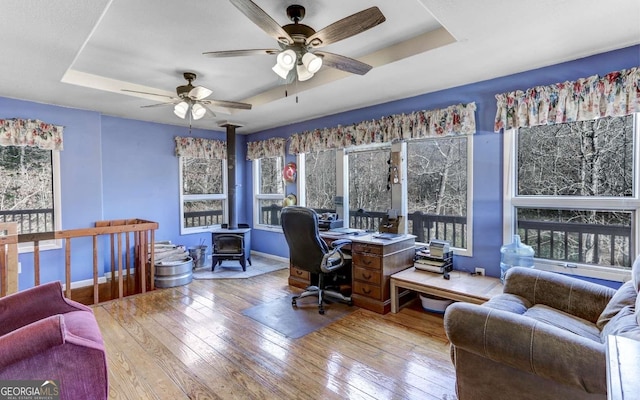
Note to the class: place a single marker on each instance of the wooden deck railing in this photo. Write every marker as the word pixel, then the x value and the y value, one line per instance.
pixel 124 259
pixel 8 258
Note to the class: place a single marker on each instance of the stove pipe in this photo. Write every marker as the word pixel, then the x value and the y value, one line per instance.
pixel 231 174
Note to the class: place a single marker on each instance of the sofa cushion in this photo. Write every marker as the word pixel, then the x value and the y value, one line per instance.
pixel 509 302
pixel 622 324
pixel 625 296
pixel 564 321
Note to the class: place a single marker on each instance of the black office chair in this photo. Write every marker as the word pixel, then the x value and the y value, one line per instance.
pixel 308 252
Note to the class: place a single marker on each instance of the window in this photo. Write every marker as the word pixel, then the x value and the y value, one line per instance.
pixel 30 196
pixel 369 190
pixel 437 195
pixel 320 181
pixel 203 193
pixel 571 193
pixel 269 191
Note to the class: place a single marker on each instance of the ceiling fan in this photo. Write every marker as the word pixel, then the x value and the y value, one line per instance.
pixel 194 99
pixel 298 41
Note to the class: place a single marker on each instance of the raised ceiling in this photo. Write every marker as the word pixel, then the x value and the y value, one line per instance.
pixel 82 53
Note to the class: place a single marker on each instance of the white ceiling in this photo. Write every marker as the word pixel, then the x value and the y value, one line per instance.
pixel 81 54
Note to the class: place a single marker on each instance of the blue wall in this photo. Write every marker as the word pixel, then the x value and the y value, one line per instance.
pixel 115 168
pixel 487 153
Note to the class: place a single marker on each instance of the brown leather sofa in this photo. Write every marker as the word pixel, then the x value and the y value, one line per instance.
pixel 544 338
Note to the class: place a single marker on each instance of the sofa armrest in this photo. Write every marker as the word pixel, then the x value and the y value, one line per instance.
pixel 577 297
pixel 31 340
pixel 33 304
pixel 528 345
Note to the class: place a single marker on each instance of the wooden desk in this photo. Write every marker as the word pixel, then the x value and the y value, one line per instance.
pixel 374 261
pixel 461 286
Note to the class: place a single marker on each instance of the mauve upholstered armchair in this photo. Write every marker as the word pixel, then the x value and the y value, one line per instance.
pixel 44 336
pixel 544 338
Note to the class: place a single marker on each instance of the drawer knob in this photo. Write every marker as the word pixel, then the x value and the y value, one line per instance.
pixel 366 262
pixel 366 291
pixel 367 277
pixel 299 272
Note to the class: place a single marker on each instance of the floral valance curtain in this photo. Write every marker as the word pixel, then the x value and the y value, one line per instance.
pixel 454 120
pixel 273 147
pixel 615 94
pixel 191 147
pixel 30 132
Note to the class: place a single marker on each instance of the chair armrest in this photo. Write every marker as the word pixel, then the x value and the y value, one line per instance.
pixel 336 247
pixel 33 304
pixel 577 297
pixel 31 340
pixel 528 345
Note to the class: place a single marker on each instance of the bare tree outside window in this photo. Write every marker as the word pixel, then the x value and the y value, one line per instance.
pixel 588 160
pixel 368 180
pixel 320 180
pixel 26 188
pixel 202 192
pixel 437 189
pixel 271 190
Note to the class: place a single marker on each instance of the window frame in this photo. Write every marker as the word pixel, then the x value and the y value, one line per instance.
pixel 53 244
pixel 196 197
pixel 399 197
pixel 511 201
pixel 468 251
pixel 257 195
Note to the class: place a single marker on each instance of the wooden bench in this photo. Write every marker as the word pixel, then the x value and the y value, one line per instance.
pixel 461 286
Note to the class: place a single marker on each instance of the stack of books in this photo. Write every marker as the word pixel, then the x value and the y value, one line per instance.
pixel 425 261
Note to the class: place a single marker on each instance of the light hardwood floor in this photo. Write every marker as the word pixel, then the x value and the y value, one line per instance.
pixel 192 342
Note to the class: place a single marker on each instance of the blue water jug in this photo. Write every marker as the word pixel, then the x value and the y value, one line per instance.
pixel 515 254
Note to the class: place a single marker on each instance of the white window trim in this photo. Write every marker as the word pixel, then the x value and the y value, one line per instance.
pixel 257 196
pixel 511 202
pixel 195 197
pixel 53 244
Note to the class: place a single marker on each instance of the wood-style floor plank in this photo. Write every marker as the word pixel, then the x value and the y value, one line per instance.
pixel 193 342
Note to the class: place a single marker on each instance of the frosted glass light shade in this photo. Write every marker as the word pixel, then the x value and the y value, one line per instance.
pixel 198 111
pixel 180 109
pixel 303 73
pixel 312 62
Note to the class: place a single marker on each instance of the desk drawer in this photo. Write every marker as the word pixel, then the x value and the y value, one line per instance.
pixel 366 275
pixel 367 261
pixel 366 248
pixel 371 291
pixel 298 273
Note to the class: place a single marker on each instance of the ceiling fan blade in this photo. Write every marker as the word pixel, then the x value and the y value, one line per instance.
pixel 170 103
pixel 199 93
pixel 343 63
pixel 209 111
pixel 263 20
pixel 227 104
pixel 237 53
pixel 347 27
pixel 152 94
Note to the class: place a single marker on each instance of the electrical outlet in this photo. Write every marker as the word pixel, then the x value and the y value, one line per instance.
pixel 19 267
pixel 479 271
